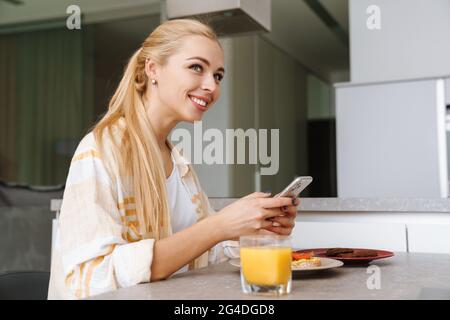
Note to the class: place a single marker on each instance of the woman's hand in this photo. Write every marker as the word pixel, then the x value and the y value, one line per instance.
pixel 284 223
pixel 252 214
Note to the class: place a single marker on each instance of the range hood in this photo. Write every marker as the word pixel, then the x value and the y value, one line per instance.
pixel 227 17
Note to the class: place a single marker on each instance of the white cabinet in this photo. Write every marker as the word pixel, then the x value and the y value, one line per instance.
pixel 391 139
pixel 412 40
pixel 429 238
pixel 390 237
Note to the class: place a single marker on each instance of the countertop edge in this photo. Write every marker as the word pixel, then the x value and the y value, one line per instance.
pixel 426 205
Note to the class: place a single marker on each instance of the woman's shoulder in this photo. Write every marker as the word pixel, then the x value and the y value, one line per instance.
pixel 109 136
pixel 87 146
pixel 89 160
pixel 86 143
pixel 89 155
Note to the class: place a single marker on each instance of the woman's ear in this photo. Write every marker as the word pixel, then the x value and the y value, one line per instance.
pixel 150 69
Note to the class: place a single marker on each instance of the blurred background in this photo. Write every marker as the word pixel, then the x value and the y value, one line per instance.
pixel 56 83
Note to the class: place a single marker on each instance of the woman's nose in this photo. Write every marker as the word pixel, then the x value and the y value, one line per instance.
pixel 209 83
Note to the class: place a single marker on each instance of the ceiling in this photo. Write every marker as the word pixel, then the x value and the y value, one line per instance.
pixel 296 28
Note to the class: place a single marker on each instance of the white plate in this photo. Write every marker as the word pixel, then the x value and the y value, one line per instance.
pixel 326 263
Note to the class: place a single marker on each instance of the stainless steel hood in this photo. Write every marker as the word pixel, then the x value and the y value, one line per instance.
pixel 227 17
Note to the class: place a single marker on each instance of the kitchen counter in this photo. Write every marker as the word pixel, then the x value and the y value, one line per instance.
pixel 404 276
pixel 362 204
pixel 429 205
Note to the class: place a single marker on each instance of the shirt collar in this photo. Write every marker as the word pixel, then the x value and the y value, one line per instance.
pixel 181 162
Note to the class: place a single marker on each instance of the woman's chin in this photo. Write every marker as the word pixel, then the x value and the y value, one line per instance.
pixel 194 117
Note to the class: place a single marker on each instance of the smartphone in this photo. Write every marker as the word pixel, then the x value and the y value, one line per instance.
pixel 295 187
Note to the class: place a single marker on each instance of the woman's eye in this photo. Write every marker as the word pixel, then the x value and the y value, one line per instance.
pixel 218 77
pixel 196 67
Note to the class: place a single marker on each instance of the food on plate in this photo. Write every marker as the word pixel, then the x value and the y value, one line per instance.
pixel 336 252
pixel 364 253
pixel 305 260
pixel 302 255
pixel 350 253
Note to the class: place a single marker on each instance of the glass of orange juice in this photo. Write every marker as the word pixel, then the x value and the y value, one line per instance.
pixel 266 264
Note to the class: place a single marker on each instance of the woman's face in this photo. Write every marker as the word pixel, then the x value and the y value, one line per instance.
pixel 189 83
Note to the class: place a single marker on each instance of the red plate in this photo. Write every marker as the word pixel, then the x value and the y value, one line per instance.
pixel 320 252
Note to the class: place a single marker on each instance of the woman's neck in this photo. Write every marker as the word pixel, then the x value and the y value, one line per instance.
pixel 162 123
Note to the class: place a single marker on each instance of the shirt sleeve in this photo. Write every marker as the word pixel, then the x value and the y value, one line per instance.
pixel 224 250
pixel 96 257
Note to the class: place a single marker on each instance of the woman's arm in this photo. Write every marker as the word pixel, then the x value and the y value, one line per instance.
pixel 245 216
pixel 172 253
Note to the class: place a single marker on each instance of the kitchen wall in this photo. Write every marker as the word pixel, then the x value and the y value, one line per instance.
pixel 284 108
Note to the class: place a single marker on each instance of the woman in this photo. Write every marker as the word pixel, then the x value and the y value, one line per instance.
pixel 133 210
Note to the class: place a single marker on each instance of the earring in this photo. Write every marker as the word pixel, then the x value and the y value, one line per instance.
pixel 153 81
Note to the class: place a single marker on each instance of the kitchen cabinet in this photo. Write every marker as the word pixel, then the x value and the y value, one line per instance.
pixel 411 40
pixel 430 238
pixel 391 139
pixel 387 236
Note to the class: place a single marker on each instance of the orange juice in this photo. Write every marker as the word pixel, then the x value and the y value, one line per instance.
pixel 266 266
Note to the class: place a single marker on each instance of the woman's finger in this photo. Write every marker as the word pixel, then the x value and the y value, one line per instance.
pixel 290 211
pixel 292 208
pixel 280 230
pixel 265 232
pixel 286 222
pixel 257 195
pixel 265 224
pixel 275 202
pixel 272 212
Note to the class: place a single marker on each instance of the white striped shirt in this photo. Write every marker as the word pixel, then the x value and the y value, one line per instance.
pixel 98 246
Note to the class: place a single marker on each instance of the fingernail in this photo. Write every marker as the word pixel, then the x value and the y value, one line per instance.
pixel 276 224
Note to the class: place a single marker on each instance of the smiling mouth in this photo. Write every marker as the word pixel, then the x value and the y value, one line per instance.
pixel 200 103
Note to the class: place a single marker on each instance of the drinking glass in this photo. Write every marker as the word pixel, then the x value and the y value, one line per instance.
pixel 266 264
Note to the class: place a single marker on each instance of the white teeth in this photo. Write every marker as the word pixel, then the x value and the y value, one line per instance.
pixel 200 102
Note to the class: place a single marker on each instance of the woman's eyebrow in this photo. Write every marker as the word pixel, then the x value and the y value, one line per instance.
pixel 206 62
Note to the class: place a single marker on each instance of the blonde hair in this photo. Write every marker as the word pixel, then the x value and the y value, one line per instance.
pixel 138 153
